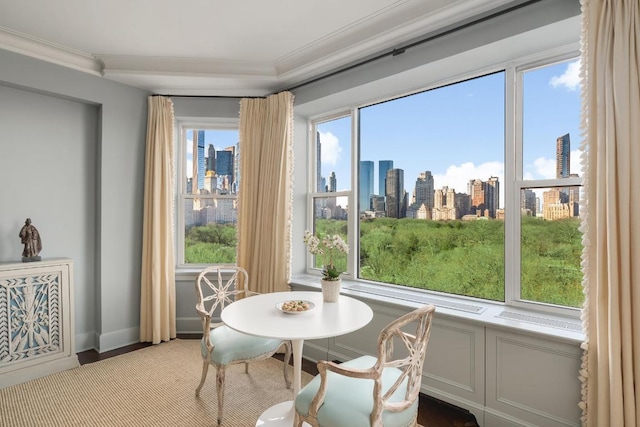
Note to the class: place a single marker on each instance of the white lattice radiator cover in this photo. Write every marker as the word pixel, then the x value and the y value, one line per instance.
pixel 36 327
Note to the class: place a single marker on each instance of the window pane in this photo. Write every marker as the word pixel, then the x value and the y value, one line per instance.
pixel 330 217
pixel 435 217
pixel 211 172
pixel 551 246
pixel 333 155
pixel 210 231
pixel 551 121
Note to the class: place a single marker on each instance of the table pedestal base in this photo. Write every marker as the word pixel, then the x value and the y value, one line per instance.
pixel 279 415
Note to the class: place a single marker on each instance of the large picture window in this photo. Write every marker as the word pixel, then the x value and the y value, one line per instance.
pixel 208 188
pixel 470 188
pixel 435 220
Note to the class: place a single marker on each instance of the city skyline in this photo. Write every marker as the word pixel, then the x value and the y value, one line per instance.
pixel 408 129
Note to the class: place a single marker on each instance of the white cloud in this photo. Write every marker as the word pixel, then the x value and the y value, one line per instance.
pixel 331 149
pixel 458 176
pixel 575 165
pixel 544 168
pixel 569 79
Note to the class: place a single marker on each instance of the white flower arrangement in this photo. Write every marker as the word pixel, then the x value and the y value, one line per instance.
pixel 327 247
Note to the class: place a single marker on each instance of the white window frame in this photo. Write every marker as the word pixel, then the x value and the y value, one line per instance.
pixel 514 272
pixel 513 178
pixel 313 194
pixel 182 124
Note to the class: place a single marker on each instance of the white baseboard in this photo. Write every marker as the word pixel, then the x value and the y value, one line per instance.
pixel 117 339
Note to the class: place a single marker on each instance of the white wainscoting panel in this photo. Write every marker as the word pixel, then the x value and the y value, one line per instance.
pixel 531 379
pixel 455 359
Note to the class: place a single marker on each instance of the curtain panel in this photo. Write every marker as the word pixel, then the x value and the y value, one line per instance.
pixel 158 293
pixel 265 194
pixel 610 371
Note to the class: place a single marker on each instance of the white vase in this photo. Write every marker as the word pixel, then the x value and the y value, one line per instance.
pixel 331 290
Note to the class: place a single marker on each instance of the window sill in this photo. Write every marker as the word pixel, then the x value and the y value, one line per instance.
pixel 487 313
pixel 187 273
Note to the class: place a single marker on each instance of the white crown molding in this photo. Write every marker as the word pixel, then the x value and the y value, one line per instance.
pixel 196 85
pixel 40 49
pixel 308 63
pixel 167 66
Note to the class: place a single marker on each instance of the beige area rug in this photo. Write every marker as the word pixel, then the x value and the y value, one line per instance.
pixel 153 386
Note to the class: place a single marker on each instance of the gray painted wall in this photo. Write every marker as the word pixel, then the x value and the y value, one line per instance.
pixel 84 139
pixel 48 173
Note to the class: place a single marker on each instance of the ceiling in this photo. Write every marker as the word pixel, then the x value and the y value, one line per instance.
pixel 223 48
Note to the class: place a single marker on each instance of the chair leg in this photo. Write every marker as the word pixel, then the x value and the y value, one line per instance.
pixel 205 368
pixel 287 358
pixel 220 391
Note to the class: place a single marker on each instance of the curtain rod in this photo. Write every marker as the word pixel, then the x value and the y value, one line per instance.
pixel 400 50
pixel 393 52
pixel 207 96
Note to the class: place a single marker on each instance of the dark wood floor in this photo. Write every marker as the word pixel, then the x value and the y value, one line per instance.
pixel 431 412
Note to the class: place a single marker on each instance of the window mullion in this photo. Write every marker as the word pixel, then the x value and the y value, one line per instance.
pixel 513 174
pixel 354 223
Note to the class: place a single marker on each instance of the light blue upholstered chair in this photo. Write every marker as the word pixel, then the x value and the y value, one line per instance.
pixel 220 345
pixel 369 391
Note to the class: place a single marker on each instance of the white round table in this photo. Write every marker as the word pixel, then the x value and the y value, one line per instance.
pixel 259 316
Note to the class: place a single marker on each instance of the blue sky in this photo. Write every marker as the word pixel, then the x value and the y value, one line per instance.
pixel 456 132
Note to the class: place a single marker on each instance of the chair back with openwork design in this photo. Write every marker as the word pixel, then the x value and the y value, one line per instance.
pixel 216 287
pixel 410 363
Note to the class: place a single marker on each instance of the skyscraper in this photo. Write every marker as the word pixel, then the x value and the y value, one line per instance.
pixel 365 186
pixel 424 190
pixel 563 156
pixel 198 159
pixel 475 188
pixel 333 183
pixel 394 193
pixel 383 167
pixel 211 158
pixel 225 163
pixel 528 202
pixel 492 195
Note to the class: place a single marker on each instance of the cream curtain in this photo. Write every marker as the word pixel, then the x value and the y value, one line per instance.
pixel 158 294
pixel 264 197
pixel 611 262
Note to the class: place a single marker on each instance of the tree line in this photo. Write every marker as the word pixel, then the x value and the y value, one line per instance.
pixel 458 257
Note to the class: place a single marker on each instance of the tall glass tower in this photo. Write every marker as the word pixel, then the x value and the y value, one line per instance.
pixel 394 192
pixel 383 167
pixel 198 159
pixel 365 187
pixel 224 162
